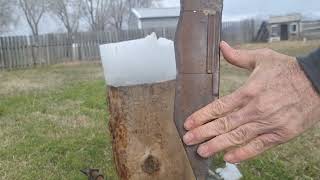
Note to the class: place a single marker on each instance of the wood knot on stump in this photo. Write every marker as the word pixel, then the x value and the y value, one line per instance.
pixel 151 165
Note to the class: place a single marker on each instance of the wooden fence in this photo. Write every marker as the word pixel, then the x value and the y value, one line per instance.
pixel 237 32
pixel 310 30
pixel 30 51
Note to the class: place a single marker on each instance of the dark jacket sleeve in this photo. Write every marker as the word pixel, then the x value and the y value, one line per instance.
pixel 311 66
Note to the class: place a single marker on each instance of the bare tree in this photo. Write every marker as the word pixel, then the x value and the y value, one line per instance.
pixel 33 11
pixel 118 13
pixel 103 14
pixel 69 12
pixel 6 14
pixel 121 10
pixel 97 13
pixel 140 3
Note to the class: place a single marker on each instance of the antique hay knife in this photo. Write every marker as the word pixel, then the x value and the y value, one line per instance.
pixel 198 61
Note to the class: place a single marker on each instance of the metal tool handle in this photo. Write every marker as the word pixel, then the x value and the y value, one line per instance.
pixel 198 65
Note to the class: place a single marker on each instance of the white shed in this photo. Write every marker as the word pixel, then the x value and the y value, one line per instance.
pixel 145 18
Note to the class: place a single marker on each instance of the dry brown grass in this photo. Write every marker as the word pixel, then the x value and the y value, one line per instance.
pixel 43 79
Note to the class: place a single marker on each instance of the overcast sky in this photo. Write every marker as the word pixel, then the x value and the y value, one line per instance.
pixel 233 10
pixel 242 8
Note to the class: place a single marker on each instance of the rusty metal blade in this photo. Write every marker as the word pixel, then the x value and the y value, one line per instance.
pixel 197 56
pixel 193 91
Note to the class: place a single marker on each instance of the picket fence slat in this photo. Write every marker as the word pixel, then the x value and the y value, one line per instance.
pixel 48 49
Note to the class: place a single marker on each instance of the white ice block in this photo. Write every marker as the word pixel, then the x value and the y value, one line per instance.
pixel 142 61
pixel 230 172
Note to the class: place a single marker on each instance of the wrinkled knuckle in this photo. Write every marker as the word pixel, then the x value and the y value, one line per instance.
pixel 236 54
pixel 223 125
pixel 282 137
pixel 217 107
pixel 259 145
pixel 281 140
pixel 239 136
pixel 236 117
pixel 259 110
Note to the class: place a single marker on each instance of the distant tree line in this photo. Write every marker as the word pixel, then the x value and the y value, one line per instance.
pixel 100 15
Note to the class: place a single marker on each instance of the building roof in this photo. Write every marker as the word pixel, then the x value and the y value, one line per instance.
pixel 145 13
pixel 286 18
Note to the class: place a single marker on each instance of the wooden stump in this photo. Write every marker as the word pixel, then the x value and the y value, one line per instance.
pixel 146 144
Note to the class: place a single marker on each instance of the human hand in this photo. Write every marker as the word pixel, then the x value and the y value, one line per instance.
pixel 276 104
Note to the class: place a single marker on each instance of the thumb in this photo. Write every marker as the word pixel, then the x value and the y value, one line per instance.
pixel 241 58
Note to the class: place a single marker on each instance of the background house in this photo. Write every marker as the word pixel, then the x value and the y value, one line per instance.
pixel 292 27
pixel 285 27
pixel 146 18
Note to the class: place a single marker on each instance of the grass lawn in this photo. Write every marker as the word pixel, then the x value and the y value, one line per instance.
pixel 53 122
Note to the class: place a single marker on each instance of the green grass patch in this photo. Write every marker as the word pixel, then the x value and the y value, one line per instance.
pixel 54 134
pixel 53 122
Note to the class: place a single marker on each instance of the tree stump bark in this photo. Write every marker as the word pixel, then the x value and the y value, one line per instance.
pixel 146 144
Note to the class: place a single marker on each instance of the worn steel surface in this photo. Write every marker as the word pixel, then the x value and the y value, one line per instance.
pixel 197 56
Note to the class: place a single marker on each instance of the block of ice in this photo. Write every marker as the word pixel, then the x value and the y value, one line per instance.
pixel 142 61
pixel 230 172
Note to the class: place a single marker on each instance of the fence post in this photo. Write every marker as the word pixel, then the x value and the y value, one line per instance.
pixel 24 55
pixel 47 49
pixel 1 55
pixel 9 52
pixel 33 54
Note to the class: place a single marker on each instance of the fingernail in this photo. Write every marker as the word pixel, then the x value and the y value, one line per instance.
pixel 188 124
pixel 203 151
pixel 188 138
pixel 223 43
